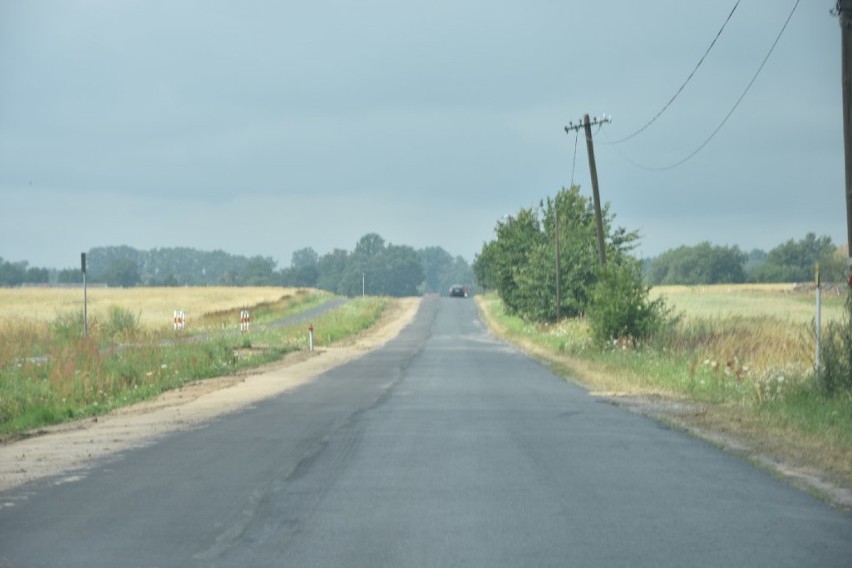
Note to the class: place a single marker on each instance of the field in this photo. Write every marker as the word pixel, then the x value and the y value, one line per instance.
pixel 154 306
pixel 50 373
pixel 785 302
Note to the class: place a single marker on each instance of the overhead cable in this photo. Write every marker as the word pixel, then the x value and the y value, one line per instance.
pixel 736 104
pixel 671 100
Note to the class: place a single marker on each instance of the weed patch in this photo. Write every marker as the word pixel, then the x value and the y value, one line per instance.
pixel 50 374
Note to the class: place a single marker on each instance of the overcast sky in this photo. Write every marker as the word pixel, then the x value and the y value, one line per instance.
pixel 262 127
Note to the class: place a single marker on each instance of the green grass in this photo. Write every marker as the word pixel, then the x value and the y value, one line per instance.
pixel 75 377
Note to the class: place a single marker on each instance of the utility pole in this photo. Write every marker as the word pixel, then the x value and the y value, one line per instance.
pixel 844 10
pixel 587 126
pixel 558 285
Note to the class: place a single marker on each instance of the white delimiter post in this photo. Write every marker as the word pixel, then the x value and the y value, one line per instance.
pixel 818 316
pixel 85 298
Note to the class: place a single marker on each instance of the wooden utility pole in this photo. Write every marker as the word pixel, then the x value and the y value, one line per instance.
pixel 558 269
pixel 587 125
pixel 844 10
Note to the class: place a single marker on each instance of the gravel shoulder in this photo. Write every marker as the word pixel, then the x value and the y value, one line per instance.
pixel 66 448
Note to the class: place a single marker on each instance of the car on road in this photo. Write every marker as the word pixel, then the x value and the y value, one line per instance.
pixel 457 291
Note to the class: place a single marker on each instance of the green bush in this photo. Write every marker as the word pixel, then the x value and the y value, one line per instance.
pixel 835 355
pixel 67 327
pixel 121 323
pixel 619 306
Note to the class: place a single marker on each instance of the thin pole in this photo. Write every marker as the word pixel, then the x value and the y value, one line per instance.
pixel 818 316
pixel 85 298
pixel 595 192
pixel 558 286
pixel 844 8
pixel 85 309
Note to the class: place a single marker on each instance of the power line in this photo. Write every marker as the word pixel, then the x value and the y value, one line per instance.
pixel 736 104
pixel 671 100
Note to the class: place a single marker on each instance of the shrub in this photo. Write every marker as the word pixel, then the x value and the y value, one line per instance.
pixel 67 327
pixel 121 323
pixel 835 355
pixel 620 308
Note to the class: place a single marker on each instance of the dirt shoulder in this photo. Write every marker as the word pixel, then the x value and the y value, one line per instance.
pixel 73 446
pixel 722 426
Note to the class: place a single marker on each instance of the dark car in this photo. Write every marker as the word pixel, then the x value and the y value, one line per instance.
pixel 458 291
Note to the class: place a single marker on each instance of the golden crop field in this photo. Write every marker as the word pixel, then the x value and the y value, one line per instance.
pixel 155 306
pixel 786 302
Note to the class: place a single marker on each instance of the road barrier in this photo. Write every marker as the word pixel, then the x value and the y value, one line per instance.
pixel 180 320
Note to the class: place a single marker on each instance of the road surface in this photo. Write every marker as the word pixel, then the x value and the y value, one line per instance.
pixel 445 447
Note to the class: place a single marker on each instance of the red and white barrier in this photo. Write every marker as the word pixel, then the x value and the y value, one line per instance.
pixel 180 320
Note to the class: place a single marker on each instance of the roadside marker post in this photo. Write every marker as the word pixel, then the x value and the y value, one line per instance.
pixel 818 316
pixel 311 337
pixel 245 320
pixel 85 298
pixel 180 320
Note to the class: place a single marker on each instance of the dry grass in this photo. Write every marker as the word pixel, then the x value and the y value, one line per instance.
pixel 155 306
pixel 785 302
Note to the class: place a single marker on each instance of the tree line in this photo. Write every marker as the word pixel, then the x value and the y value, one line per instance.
pixel 544 265
pixel 792 261
pixel 382 265
pixel 374 267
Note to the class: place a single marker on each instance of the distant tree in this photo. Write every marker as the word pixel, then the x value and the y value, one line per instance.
pixel 403 272
pixel 122 273
pixel 700 264
pixel 100 261
pixel 303 271
pixel 370 245
pixel 380 269
pixel 755 258
pixel 12 273
pixel 260 271
pixel 229 278
pixel 70 276
pixel 485 266
pixel 441 270
pixel 835 268
pixel 364 268
pixel 795 261
pixel 168 282
pixel 38 275
pixel 435 262
pixel 330 269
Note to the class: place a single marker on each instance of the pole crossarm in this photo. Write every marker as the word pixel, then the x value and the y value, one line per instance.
pixel 586 123
pixel 602 120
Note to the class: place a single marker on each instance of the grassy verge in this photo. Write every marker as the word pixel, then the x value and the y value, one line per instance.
pixel 48 374
pixel 743 381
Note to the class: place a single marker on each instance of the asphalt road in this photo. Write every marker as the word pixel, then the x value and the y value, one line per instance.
pixel 444 448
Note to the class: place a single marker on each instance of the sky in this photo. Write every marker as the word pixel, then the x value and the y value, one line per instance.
pixel 261 127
